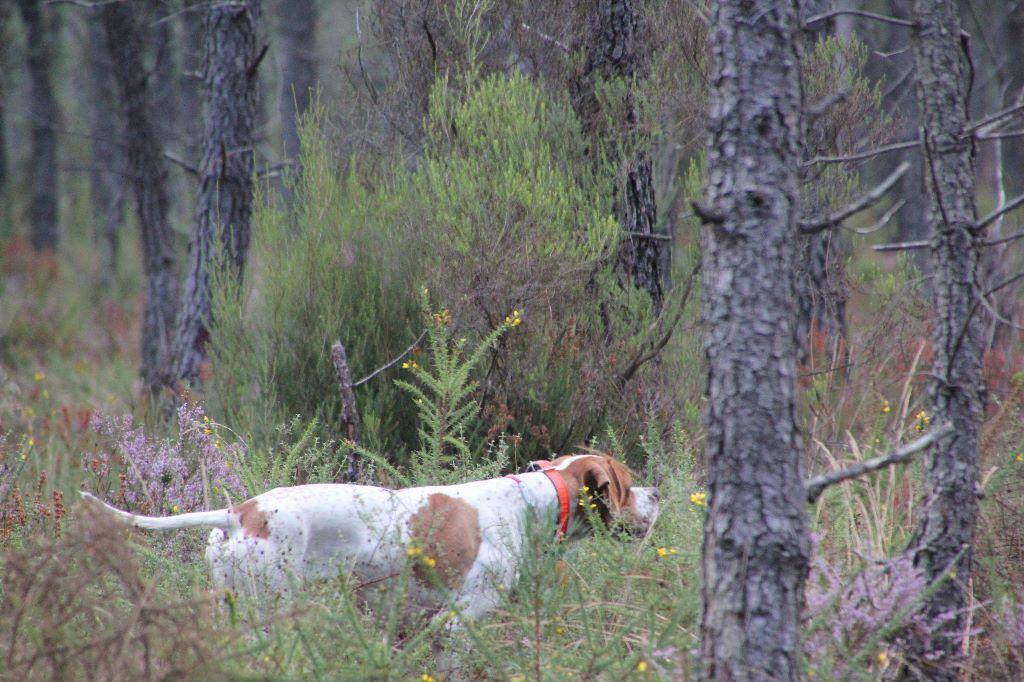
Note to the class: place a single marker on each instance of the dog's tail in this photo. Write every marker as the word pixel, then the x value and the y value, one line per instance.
pixel 219 518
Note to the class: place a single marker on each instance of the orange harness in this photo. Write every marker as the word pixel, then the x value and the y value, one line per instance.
pixel 556 479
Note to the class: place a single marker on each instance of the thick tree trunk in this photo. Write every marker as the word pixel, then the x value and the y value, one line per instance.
pixel 108 172
pixel 148 178
pixel 43 111
pixel 220 235
pixel 296 26
pixel 944 541
pixel 756 547
pixel 619 50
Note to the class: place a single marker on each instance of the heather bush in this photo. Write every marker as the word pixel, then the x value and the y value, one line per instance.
pixel 156 476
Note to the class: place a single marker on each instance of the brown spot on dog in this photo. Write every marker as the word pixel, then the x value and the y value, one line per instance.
pixel 254 523
pixel 446 533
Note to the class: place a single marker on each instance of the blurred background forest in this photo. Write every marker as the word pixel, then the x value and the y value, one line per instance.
pixel 493 202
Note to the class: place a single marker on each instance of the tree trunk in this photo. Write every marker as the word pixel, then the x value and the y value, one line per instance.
pixel 296 26
pixel 756 547
pixel 943 543
pixel 43 112
pixel 5 68
pixel 148 178
pixel 619 51
pixel 220 235
pixel 107 173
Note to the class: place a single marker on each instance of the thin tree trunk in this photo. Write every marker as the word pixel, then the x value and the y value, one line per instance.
pixel 296 26
pixel 220 236
pixel 148 178
pixel 619 50
pixel 43 108
pixel 943 544
pixel 756 547
pixel 107 173
pixel 5 68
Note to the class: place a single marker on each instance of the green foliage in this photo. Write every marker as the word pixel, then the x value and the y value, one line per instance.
pixel 448 414
pixel 327 267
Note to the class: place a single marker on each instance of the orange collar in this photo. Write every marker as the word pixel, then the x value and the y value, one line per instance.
pixel 555 476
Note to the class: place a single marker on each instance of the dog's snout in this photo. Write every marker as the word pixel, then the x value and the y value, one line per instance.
pixel 656 494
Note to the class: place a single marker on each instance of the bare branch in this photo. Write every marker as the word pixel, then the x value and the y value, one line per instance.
pixel 825 16
pixel 817 485
pixel 982 137
pixel 182 163
pixel 988 120
pixel 860 156
pixel 393 362
pixel 1003 240
pixel 902 246
pixel 884 220
pixel 551 39
pixel 823 223
pixel 995 215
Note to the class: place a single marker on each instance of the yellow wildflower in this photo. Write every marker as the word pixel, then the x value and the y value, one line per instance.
pixel 883 658
pixel 429 561
pixel 426 677
pixel 513 320
pixel 44 394
pixel 30 442
pixel 886 408
pixel 641 667
pixel 414 551
pixel 39 376
pixel 174 509
pixel 409 365
pixel 1020 458
pixel 662 551
pixel 699 498
pixel 922 420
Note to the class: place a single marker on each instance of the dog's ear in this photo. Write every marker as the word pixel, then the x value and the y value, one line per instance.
pixel 611 481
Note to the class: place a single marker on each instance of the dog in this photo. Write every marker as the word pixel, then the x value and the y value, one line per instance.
pixel 457 546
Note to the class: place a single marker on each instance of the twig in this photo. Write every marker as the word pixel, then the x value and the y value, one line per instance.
pixel 825 16
pixel 349 410
pixel 817 485
pixel 182 163
pixel 1003 240
pixel 886 217
pixel 648 235
pixel 551 39
pixel 833 219
pixel 860 156
pixel 992 118
pixel 903 246
pixel 393 362
pixel 996 214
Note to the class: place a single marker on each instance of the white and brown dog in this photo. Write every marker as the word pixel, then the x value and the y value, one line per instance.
pixel 463 542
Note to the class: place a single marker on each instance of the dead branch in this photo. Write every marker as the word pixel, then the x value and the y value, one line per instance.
pixel 989 120
pixel 903 246
pixel 860 156
pixel 995 215
pixel 884 220
pixel 832 220
pixel 817 485
pixel 349 410
pixel 393 362
pixel 825 16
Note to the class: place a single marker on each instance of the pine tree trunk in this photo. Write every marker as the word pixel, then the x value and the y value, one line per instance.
pixel 619 50
pixel 756 547
pixel 43 112
pixel 296 26
pixel 943 544
pixel 148 179
pixel 220 235
pixel 107 174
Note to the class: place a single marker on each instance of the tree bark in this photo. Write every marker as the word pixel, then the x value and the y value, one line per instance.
pixel 107 173
pixel 756 547
pixel 148 179
pixel 619 51
pixel 296 26
pixel 43 111
pixel 220 236
pixel 943 543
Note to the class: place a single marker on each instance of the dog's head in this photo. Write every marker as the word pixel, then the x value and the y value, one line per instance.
pixel 605 487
